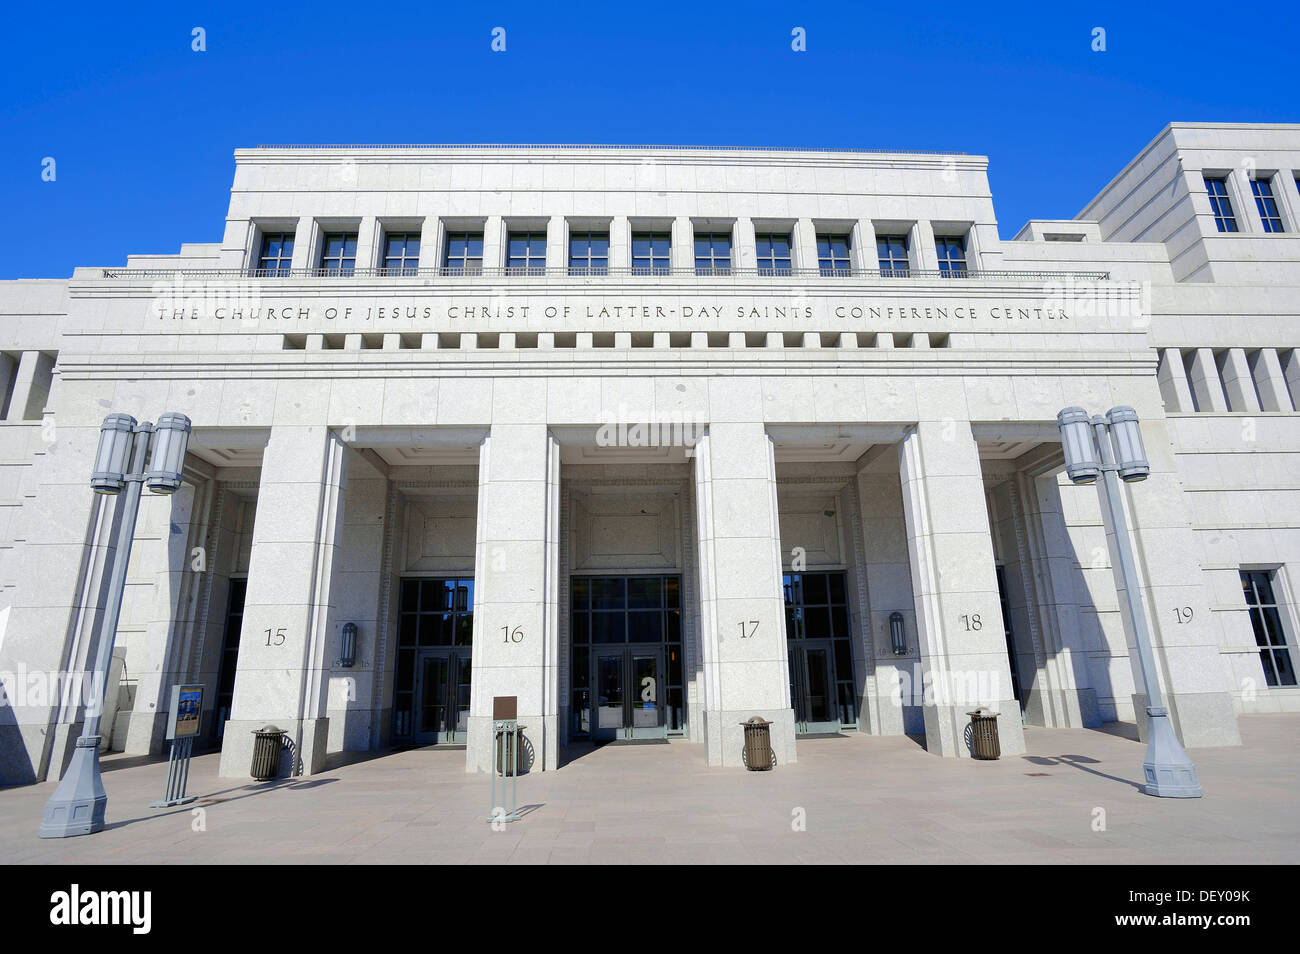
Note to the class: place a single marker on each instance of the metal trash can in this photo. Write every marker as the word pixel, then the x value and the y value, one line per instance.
pixel 984 734
pixel 758 745
pixel 506 740
pixel 267 743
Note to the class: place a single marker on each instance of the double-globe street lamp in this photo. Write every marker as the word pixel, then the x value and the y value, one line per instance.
pixel 1169 772
pixel 78 804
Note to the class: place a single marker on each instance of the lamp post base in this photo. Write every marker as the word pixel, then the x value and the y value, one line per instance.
pixel 78 804
pixel 1169 772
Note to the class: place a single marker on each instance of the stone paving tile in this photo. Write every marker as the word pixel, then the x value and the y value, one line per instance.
pixel 861 799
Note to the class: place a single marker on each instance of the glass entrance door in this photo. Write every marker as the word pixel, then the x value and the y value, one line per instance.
pixel 812 685
pixel 629 685
pixel 819 645
pixel 442 696
pixel 626 675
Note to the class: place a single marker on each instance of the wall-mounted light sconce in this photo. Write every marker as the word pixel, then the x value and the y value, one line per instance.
pixel 348 653
pixel 897 634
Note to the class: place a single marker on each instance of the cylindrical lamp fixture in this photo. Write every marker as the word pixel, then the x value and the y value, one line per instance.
pixel 1081 464
pixel 1126 437
pixel 171 438
pixel 348 652
pixel 897 634
pixel 114 454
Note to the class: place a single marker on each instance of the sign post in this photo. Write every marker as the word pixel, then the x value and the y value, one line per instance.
pixel 183 721
pixel 505 757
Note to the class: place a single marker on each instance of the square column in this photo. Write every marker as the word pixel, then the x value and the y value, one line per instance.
pixel 1271 380
pixel 1204 379
pixel 516 593
pixel 804 239
pixel 1172 377
pixel 954 584
pixel 742 611
pixel 66 532
pixel 1238 383
pixel 1064 696
pixel 1192 672
pixel 620 243
pixel 31 386
pixel 286 643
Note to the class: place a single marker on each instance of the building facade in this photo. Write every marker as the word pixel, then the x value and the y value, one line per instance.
pixel 657 440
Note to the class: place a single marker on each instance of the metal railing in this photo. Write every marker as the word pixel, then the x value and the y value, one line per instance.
pixel 609 147
pixel 507 271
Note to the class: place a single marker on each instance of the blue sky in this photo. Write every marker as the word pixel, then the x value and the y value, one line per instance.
pixel 142 128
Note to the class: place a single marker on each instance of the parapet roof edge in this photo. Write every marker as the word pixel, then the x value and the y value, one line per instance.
pixel 597 147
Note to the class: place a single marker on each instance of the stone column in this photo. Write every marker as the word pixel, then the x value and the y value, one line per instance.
pixel 804 238
pixel 866 256
pixel 557 243
pixel 65 533
pixel 1187 652
pixel 742 612
pixel 31 386
pixel 954 583
pixel 1204 378
pixel 8 368
pixel 742 244
pixel 682 254
pixel 1066 698
pixel 495 238
pixel 164 535
pixel 355 700
pixel 1237 381
pixel 304 244
pixel 889 584
pixel 620 243
pixel 370 236
pixel 1172 377
pixel 516 592
pixel 1271 381
pixel 1291 371
pixel 924 255
pixel 281 673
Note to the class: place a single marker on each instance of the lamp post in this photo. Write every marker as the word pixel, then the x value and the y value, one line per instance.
pixel 78 803
pixel 1169 771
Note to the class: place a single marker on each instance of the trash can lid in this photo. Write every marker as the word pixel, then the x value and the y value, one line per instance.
pixel 755 720
pixel 981 712
pixel 268 728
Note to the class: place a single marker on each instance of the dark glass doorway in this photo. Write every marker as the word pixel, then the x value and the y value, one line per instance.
pixel 626 658
pixel 442 695
pixel 819 644
pixel 432 680
pixel 1012 659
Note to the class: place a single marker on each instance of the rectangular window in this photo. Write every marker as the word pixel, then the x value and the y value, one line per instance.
pixel 588 253
pixel 526 253
pixel 276 255
pixel 712 253
pixel 891 251
pixel 1220 204
pixel 952 256
pixel 401 253
pixel 338 253
pixel 1267 204
pixel 463 254
pixel 651 252
pixel 773 253
pixel 833 255
pixel 1266 620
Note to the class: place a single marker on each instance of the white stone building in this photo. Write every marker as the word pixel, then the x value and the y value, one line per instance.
pixel 660 439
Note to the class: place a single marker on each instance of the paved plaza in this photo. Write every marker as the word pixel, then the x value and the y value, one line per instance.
pixel 860 799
